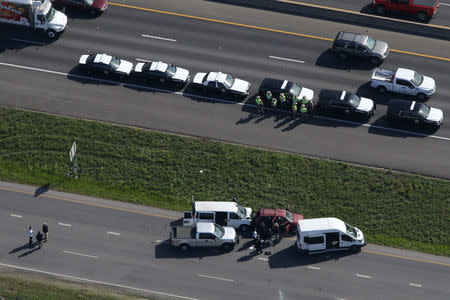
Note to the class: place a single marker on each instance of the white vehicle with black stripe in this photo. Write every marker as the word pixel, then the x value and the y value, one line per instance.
pixel 221 83
pixel 104 64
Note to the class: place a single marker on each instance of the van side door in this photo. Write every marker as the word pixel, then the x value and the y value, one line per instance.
pixel 205 217
pixel 234 220
pixel 315 242
pixel 346 241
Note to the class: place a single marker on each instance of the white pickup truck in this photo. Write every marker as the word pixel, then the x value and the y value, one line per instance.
pixel 403 81
pixel 203 235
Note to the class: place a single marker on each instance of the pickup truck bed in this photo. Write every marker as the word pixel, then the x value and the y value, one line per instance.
pixel 180 232
pixel 383 75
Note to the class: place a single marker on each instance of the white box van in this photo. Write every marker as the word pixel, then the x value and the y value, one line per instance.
pixel 225 213
pixel 327 234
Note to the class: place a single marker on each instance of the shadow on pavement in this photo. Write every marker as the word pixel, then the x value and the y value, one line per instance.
pixel 165 250
pixel 398 130
pixel 20 248
pixel 17 37
pixel 34 248
pixel 328 59
pixel 41 190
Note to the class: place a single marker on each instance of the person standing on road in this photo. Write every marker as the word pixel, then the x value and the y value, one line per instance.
pixel 276 231
pixel 260 104
pixel 283 101
pixel 274 104
pixel 30 236
pixel 45 231
pixel 294 109
pixel 269 97
pixel 39 236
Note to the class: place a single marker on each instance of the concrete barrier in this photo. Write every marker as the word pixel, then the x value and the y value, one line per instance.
pixel 341 15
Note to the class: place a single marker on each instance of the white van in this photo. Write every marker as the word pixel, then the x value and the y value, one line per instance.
pixel 327 234
pixel 225 213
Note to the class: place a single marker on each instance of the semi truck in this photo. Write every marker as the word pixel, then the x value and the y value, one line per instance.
pixel 35 14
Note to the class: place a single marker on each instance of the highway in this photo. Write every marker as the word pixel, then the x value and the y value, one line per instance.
pixel 126 245
pixel 45 78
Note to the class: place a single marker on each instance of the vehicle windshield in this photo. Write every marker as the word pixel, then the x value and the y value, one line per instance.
pixel 295 90
pixel 422 110
pixel 241 212
pixel 289 216
pixel 370 43
pixel 354 100
pixel 170 70
pixel 229 81
pixel 50 14
pixel 115 62
pixel 417 79
pixel 351 230
pixel 218 231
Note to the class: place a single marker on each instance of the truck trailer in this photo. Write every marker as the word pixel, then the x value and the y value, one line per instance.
pixel 35 14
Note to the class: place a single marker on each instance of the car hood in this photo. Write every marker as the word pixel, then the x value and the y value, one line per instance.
pixel 181 74
pixel 59 21
pixel 428 83
pixel 100 4
pixel 125 67
pixel 296 218
pixel 240 86
pixel 198 78
pixel 230 233
pixel 365 104
pixel 308 93
pixel 435 115
pixel 380 48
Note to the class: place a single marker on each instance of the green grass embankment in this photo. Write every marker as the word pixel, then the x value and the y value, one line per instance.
pixel 163 170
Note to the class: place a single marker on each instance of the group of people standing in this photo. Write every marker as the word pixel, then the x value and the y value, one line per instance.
pixel 266 233
pixel 40 237
pixel 303 105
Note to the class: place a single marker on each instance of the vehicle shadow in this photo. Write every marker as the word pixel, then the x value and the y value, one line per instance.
pixel 383 127
pixel 329 59
pixel 289 258
pixel 165 250
pixel 42 189
pixel 147 86
pixel 10 38
pixel 368 9
pixel 76 74
pixel 79 14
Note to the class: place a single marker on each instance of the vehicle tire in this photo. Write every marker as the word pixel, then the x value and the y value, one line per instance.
pixel 355 248
pixel 380 9
pixel 51 34
pixel 244 228
pixel 184 247
pixel 375 60
pixel 381 89
pixel 421 96
pixel 422 16
pixel 227 247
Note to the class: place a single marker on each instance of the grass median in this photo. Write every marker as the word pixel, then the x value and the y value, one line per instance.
pixel 165 170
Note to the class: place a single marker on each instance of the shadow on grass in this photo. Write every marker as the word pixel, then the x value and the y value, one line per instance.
pixel 289 258
pixel 165 250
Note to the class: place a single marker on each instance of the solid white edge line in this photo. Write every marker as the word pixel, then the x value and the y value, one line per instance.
pixel 98 282
pixel 415 284
pixel 213 277
pixel 26 41
pixel 220 100
pixel 339 298
pixel 144 60
pixel 363 276
pixel 80 254
pixel 287 59
pixel 113 233
pixel 158 38
pixel 64 224
pixel 313 268
pixel 15 216
pixel 263 258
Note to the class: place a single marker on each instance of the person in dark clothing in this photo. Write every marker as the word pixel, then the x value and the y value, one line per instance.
pixel 262 230
pixel 276 231
pixel 45 231
pixel 39 236
pixel 258 245
pixel 269 235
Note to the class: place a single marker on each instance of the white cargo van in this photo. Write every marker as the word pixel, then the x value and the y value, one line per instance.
pixel 224 213
pixel 327 234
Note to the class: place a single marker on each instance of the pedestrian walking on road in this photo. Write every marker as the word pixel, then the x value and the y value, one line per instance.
pixel 260 104
pixel 39 236
pixel 30 236
pixel 45 231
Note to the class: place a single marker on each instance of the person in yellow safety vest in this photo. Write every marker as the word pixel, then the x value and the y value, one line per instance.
pixel 260 104
pixel 274 104
pixel 269 97
pixel 304 100
pixel 283 101
pixel 303 109
pixel 294 108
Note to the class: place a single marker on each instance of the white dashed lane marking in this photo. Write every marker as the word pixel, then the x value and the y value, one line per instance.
pixel 80 254
pixel 158 38
pixel 313 268
pixel 415 284
pixel 15 216
pixel 64 224
pixel 113 233
pixel 213 277
pixel 287 59
pixel 263 258
pixel 363 276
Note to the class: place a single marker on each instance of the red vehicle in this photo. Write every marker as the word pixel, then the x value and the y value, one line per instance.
pixel 423 9
pixel 287 219
pixel 93 6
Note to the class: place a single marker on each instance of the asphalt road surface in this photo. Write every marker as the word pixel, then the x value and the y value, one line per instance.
pixel 44 77
pixel 127 245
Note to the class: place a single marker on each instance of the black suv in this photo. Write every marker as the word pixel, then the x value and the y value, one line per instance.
pixel 415 113
pixel 353 44
pixel 343 102
pixel 288 88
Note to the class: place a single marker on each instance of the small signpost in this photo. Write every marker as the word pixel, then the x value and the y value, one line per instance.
pixel 74 171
